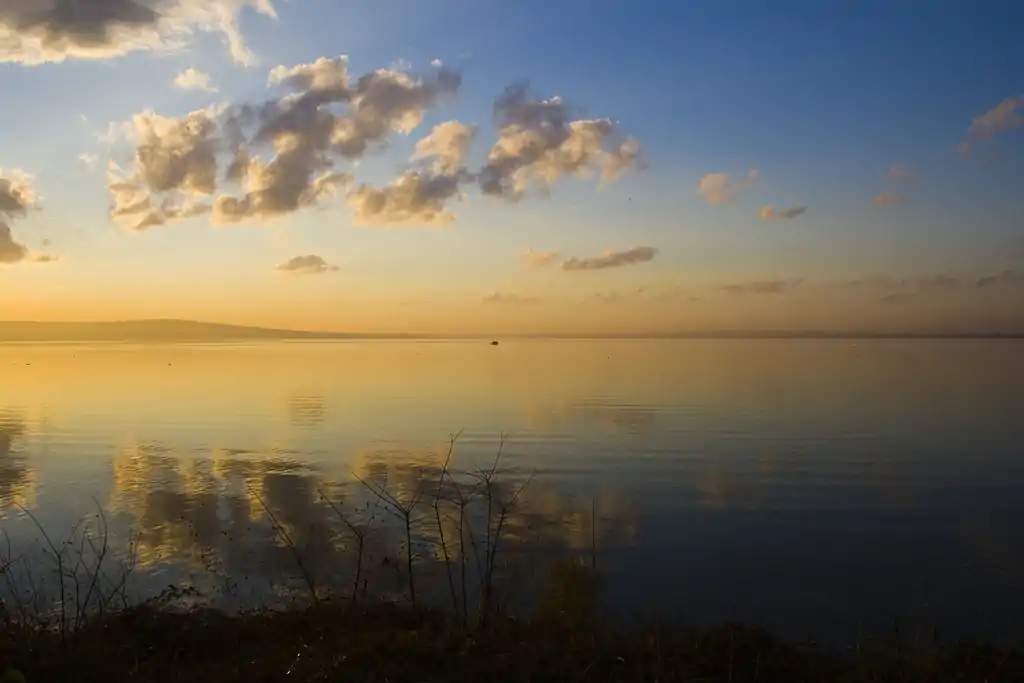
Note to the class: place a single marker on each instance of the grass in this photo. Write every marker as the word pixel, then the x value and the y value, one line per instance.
pixel 72 616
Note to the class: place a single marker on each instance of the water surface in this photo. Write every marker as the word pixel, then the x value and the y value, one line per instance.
pixel 814 487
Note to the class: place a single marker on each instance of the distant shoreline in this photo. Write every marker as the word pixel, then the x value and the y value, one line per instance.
pixel 186 331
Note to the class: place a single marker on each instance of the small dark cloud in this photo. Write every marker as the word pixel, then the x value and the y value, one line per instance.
pixel 611 259
pixel 509 298
pixel 888 199
pixel 764 286
pixel 1005 277
pixel 770 213
pixel 900 172
pixel 310 264
pixel 899 289
pixel 605 297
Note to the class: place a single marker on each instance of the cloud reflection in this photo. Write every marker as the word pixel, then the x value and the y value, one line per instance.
pixel 251 518
pixel 17 479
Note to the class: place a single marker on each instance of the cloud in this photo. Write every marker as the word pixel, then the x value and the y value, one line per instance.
pixel 764 286
pixel 899 289
pixel 1005 277
pixel 448 143
pixel 413 199
pixel 509 298
pixel 898 172
pixel 192 79
pixel 718 188
pixel 611 259
pixel 540 259
pixel 89 160
pixel 538 145
pixel 10 250
pixel 770 213
pixel 612 297
pixel 888 199
pixel 174 168
pixel 1005 116
pixel 308 138
pixel 284 154
pixel 310 264
pixel 39 31
pixel 45 258
pixel 16 198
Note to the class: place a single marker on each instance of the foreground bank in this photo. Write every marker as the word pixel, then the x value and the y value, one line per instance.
pixel 337 641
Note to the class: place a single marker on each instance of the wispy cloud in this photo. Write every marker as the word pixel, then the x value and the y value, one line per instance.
pixel 770 213
pixel 763 286
pixel 719 188
pixel 193 79
pixel 894 289
pixel 509 298
pixel 899 172
pixel 612 297
pixel 39 31
pixel 611 259
pixel 310 264
pixel 1005 116
pixel 1005 277
pixel 888 199
pixel 540 259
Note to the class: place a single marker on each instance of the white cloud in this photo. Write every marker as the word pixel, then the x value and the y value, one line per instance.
pixel 538 145
pixel 412 199
pixel 192 79
pixel 175 165
pixel 448 143
pixel 719 188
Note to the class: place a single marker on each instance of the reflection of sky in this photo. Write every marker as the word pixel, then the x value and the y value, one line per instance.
pixel 841 463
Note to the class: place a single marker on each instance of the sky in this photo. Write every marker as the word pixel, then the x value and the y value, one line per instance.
pixel 459 166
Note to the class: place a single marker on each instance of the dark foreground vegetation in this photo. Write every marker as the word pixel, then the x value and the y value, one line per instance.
pixel 71 615
pixel 345 642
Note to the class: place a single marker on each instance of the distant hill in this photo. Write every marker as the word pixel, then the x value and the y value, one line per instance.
pixel 193 331
pixel 148 330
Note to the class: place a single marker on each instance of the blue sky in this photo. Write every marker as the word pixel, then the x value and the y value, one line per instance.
pixel 823 99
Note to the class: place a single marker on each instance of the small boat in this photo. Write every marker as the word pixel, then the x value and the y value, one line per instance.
pixel 494 343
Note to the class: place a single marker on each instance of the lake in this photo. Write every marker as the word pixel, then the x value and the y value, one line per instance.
pixel 824 488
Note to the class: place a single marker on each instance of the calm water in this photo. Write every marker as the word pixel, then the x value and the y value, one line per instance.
pixel 813 487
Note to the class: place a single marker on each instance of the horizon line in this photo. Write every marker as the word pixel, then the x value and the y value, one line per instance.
pixel 268 333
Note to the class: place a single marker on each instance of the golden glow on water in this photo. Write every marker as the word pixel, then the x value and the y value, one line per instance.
pixel 213 454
